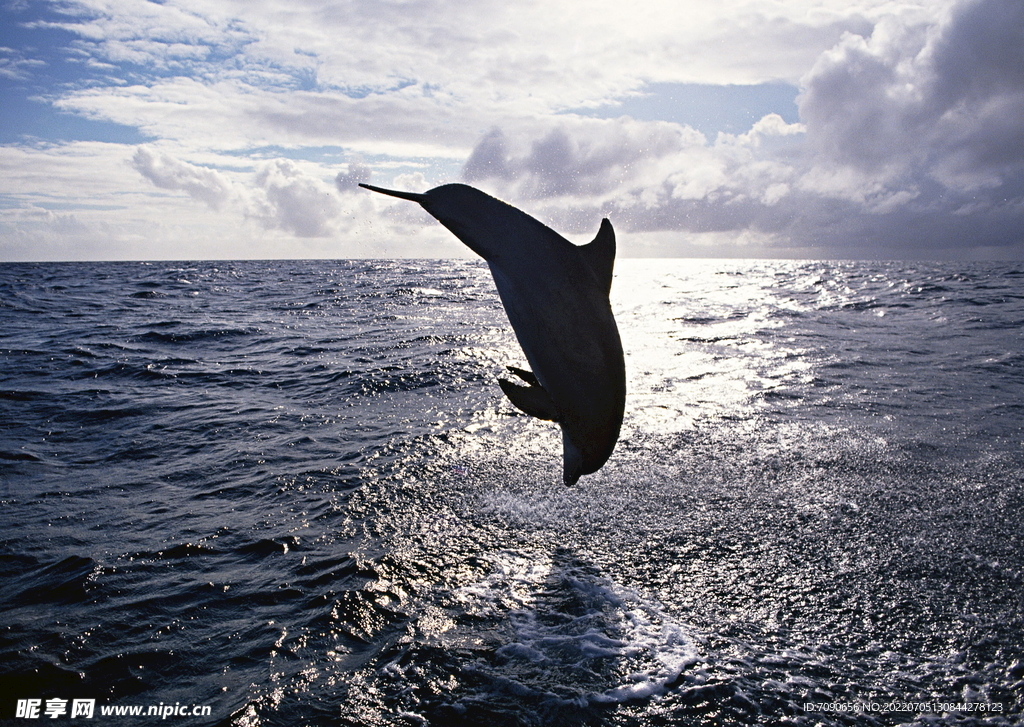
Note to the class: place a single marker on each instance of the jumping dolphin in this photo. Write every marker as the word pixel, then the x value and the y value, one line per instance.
pixel 556 296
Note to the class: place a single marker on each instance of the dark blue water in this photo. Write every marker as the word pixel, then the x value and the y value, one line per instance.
pixel 291 493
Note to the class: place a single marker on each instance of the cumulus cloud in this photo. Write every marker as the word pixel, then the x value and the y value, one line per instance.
pixel 579 157
pixel 648 175
pixel 280 195
pixel 921 101
pixel 294 201
pixel 201 183
pixel 911 139
pixel 350 180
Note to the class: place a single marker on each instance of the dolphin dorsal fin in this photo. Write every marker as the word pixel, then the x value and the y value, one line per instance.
pixel 600 255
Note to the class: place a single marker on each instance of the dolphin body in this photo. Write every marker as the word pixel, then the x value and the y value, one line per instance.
pixel 556 296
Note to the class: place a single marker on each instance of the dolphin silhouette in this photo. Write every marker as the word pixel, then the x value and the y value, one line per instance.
pixel 555 294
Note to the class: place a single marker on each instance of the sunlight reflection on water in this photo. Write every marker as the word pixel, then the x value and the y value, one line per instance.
pixel 696 347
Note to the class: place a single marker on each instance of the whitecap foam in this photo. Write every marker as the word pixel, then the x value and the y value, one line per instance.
pixel 575 635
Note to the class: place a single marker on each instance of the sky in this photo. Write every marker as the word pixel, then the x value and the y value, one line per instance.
pixel 240 129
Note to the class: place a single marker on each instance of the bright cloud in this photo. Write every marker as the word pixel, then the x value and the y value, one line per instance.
pixel 279 195
pixel 923 101
pixel 166 172
pixel 294 201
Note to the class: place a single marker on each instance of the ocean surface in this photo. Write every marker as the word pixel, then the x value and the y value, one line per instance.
pixel 292 493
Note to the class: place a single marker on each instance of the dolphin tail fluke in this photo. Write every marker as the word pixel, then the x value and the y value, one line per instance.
pixel 533 400
pixel 412 196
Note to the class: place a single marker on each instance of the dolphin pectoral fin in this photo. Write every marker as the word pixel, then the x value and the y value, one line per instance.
pixel 533 400
pixel 525 375
pixel 600 254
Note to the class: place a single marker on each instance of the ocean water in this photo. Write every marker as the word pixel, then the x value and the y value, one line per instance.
pixel 291 493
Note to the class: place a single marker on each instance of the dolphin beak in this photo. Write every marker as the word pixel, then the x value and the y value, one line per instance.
pixel 412 196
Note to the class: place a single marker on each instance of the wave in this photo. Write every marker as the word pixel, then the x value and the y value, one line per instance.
pixel 294 492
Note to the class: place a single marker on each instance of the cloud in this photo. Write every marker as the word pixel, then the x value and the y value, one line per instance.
pixel 111 215
pixel 578 157
pixel 232 116
pixel 649 176
pixel 412 79
pixel 15 66
pixel 205 185
pixel 920 102
pixel 910 136
pixel 911 139
pixel 294 201
pixel 280 195
pixel 349 181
